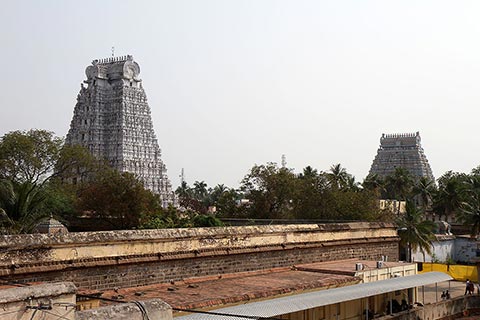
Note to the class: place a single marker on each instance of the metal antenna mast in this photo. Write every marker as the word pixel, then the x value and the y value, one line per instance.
pixel 284 161
pixel 182 177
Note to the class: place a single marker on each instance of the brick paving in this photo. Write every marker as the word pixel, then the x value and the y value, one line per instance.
pixel 233 288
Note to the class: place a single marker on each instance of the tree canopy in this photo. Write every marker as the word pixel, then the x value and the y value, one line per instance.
pixel 30 161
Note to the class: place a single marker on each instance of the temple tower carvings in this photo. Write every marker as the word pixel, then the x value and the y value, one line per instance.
pixel 112 119
pixel 401 151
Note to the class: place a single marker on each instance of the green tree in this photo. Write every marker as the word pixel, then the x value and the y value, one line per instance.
pixel 415 232
pixel 376 184
pixel 165 218
pixel 226 201
pixel 450 194
pixel 120 199
pixel 311 198
pixel 270 190
pixel 338 176
pixel 424 190
pixel 399 184
pixel 469 211
pixel 29 163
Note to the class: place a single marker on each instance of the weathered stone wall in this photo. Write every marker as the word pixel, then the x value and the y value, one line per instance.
pixel 103 260
pixel 155 309
pixel 49 301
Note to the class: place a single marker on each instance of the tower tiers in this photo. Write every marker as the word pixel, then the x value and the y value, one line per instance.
pixel 402 150
pixel 112 119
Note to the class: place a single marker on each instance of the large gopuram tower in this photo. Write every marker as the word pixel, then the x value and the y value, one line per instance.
pixel 112 119
pixel 402 150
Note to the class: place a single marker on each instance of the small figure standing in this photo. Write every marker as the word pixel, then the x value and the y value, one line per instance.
pixel 447 295
pixel 467 287
pixel 443 296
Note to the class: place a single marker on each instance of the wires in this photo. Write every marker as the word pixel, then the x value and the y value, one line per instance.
pixel 144 312
pixel 33 314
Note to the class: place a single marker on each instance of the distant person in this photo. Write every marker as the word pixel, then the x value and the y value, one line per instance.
pixel 447 295
pixel 443 296
pixel 467 287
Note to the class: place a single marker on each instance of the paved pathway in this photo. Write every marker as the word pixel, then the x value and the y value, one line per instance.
pixel 456 289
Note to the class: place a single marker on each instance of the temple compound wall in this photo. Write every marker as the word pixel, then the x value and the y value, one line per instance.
pixel 105 260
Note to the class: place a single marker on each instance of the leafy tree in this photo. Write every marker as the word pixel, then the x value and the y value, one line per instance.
pixel 164 218
pixel 173 218
pixel 415 232
pixel 277 193
pixel 117 198
pixel 29 162
pixel 312 198
pixel 204 220
pixel 271 191
pixel 226 201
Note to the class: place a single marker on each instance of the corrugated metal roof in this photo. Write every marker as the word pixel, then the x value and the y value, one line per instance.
pixel 304 301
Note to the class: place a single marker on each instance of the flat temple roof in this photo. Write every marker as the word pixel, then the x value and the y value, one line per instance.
pixel 309 300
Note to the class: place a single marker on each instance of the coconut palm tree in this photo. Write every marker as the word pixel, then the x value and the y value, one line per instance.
pixel 374 183
pixel 450 194
pixel 400 183
pixel 469 212
pixel 415 232
pixel 423 190
pixel 337 176
pixel 20 206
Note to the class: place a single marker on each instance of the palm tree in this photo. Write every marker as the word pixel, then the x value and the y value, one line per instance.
pixel 450 194
pixel 337 176
pixel 200 190
pixel 374 183
pixel 415 232
pixel 351 184
pixel 469 213
pixel 20 206
pixel 399 183
pixel 424 190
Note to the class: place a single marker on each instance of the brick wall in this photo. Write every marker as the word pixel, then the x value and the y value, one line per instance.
pixel 171 268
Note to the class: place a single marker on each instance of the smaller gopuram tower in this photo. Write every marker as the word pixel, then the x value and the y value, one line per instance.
pixel 402 150
pixel 112 119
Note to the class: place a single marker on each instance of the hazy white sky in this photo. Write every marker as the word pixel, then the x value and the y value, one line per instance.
pixel 234 83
